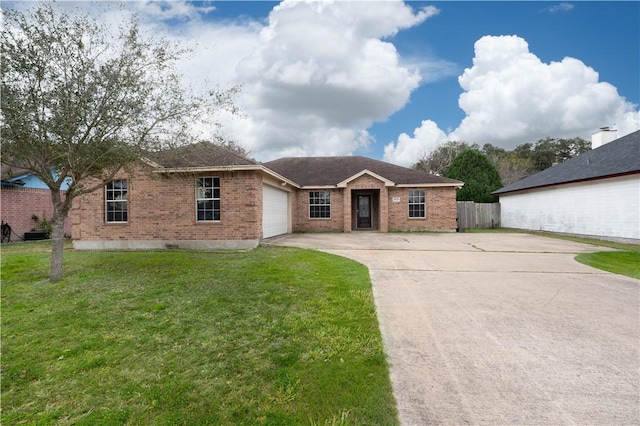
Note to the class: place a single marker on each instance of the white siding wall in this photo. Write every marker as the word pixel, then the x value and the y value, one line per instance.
pixel 606 208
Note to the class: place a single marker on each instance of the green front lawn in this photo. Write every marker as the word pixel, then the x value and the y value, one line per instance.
pixel 619 262
pixel 271 336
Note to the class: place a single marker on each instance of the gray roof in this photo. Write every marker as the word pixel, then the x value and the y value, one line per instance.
pixel 323 171
pixel 202 154
pixel 619 157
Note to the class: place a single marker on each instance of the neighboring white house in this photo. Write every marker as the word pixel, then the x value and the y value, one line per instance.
pixel 594 194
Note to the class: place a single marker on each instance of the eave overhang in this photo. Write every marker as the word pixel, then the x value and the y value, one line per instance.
pixel 216 169
pixel 457 185
pixel 500 193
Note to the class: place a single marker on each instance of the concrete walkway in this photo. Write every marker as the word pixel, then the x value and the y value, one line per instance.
pixel 499 329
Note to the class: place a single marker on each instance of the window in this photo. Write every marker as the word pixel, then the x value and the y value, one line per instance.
pixel 116 205
pixel 320 205
pixel 417 207
pixel 208 199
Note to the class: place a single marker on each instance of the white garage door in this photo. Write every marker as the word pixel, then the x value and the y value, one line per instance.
pixel 275 212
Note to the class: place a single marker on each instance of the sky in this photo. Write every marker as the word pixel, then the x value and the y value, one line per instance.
pixel 392 80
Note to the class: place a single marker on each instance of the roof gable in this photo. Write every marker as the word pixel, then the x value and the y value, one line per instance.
pixel 619 157
pixel 345 182
pixel 336 171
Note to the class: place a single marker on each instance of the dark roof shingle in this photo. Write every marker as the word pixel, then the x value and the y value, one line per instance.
pixel 619 157
pixel 202 154
pixel 321 171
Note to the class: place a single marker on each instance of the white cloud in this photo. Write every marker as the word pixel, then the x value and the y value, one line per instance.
pixel 174 9
pixel 314 77
pixel 511 97
pixel 322 74
pixel 557 8
pixel 408 150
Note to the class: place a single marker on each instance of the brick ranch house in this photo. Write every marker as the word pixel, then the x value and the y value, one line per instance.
pixel 202 196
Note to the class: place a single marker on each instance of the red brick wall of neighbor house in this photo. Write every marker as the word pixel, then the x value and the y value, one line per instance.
pixel 164 208
pixel 440 205
pixel 301 220
pixel 18 205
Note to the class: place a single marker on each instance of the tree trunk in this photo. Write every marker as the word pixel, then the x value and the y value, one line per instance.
pixel 60 211
pixel 57 247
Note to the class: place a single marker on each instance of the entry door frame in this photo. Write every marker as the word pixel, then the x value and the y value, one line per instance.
pixel 364 210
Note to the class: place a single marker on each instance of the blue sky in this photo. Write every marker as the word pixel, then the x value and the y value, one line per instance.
pixel 603 35
pixel 393 80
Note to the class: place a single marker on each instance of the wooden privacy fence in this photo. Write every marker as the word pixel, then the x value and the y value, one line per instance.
pixel 478 215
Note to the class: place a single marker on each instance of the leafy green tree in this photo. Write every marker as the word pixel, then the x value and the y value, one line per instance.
pixel 569 148
pixel 84 103
pixel 479 175
pixel 550 151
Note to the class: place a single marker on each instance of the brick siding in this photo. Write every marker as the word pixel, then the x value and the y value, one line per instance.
pixel 163 207
pixel 366 182
pixel 440 210
pixel 18 205
pixel 387 216
pixel 303 223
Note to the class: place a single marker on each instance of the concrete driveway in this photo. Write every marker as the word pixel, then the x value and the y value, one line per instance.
pixel 499 328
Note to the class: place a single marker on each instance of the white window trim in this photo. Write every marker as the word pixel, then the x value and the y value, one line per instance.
pixel 409 203
pixel 107 201
pixel 327 204
pixel 208 199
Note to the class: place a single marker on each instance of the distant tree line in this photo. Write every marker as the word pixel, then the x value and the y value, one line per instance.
pixel 512 166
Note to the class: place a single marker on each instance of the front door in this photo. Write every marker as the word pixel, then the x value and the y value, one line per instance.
pixel 364 211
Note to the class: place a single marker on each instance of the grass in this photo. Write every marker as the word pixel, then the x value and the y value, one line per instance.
pixel 625 261
pixel 273 336
pixel 619 262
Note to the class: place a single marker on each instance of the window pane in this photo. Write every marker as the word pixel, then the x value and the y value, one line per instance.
pixel 319 204
pixel 417 204
pixel 208 198
pixel 116 201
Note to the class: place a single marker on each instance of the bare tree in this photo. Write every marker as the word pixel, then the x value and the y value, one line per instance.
pixel 79 104
pixel 439 160
pixel 510 166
